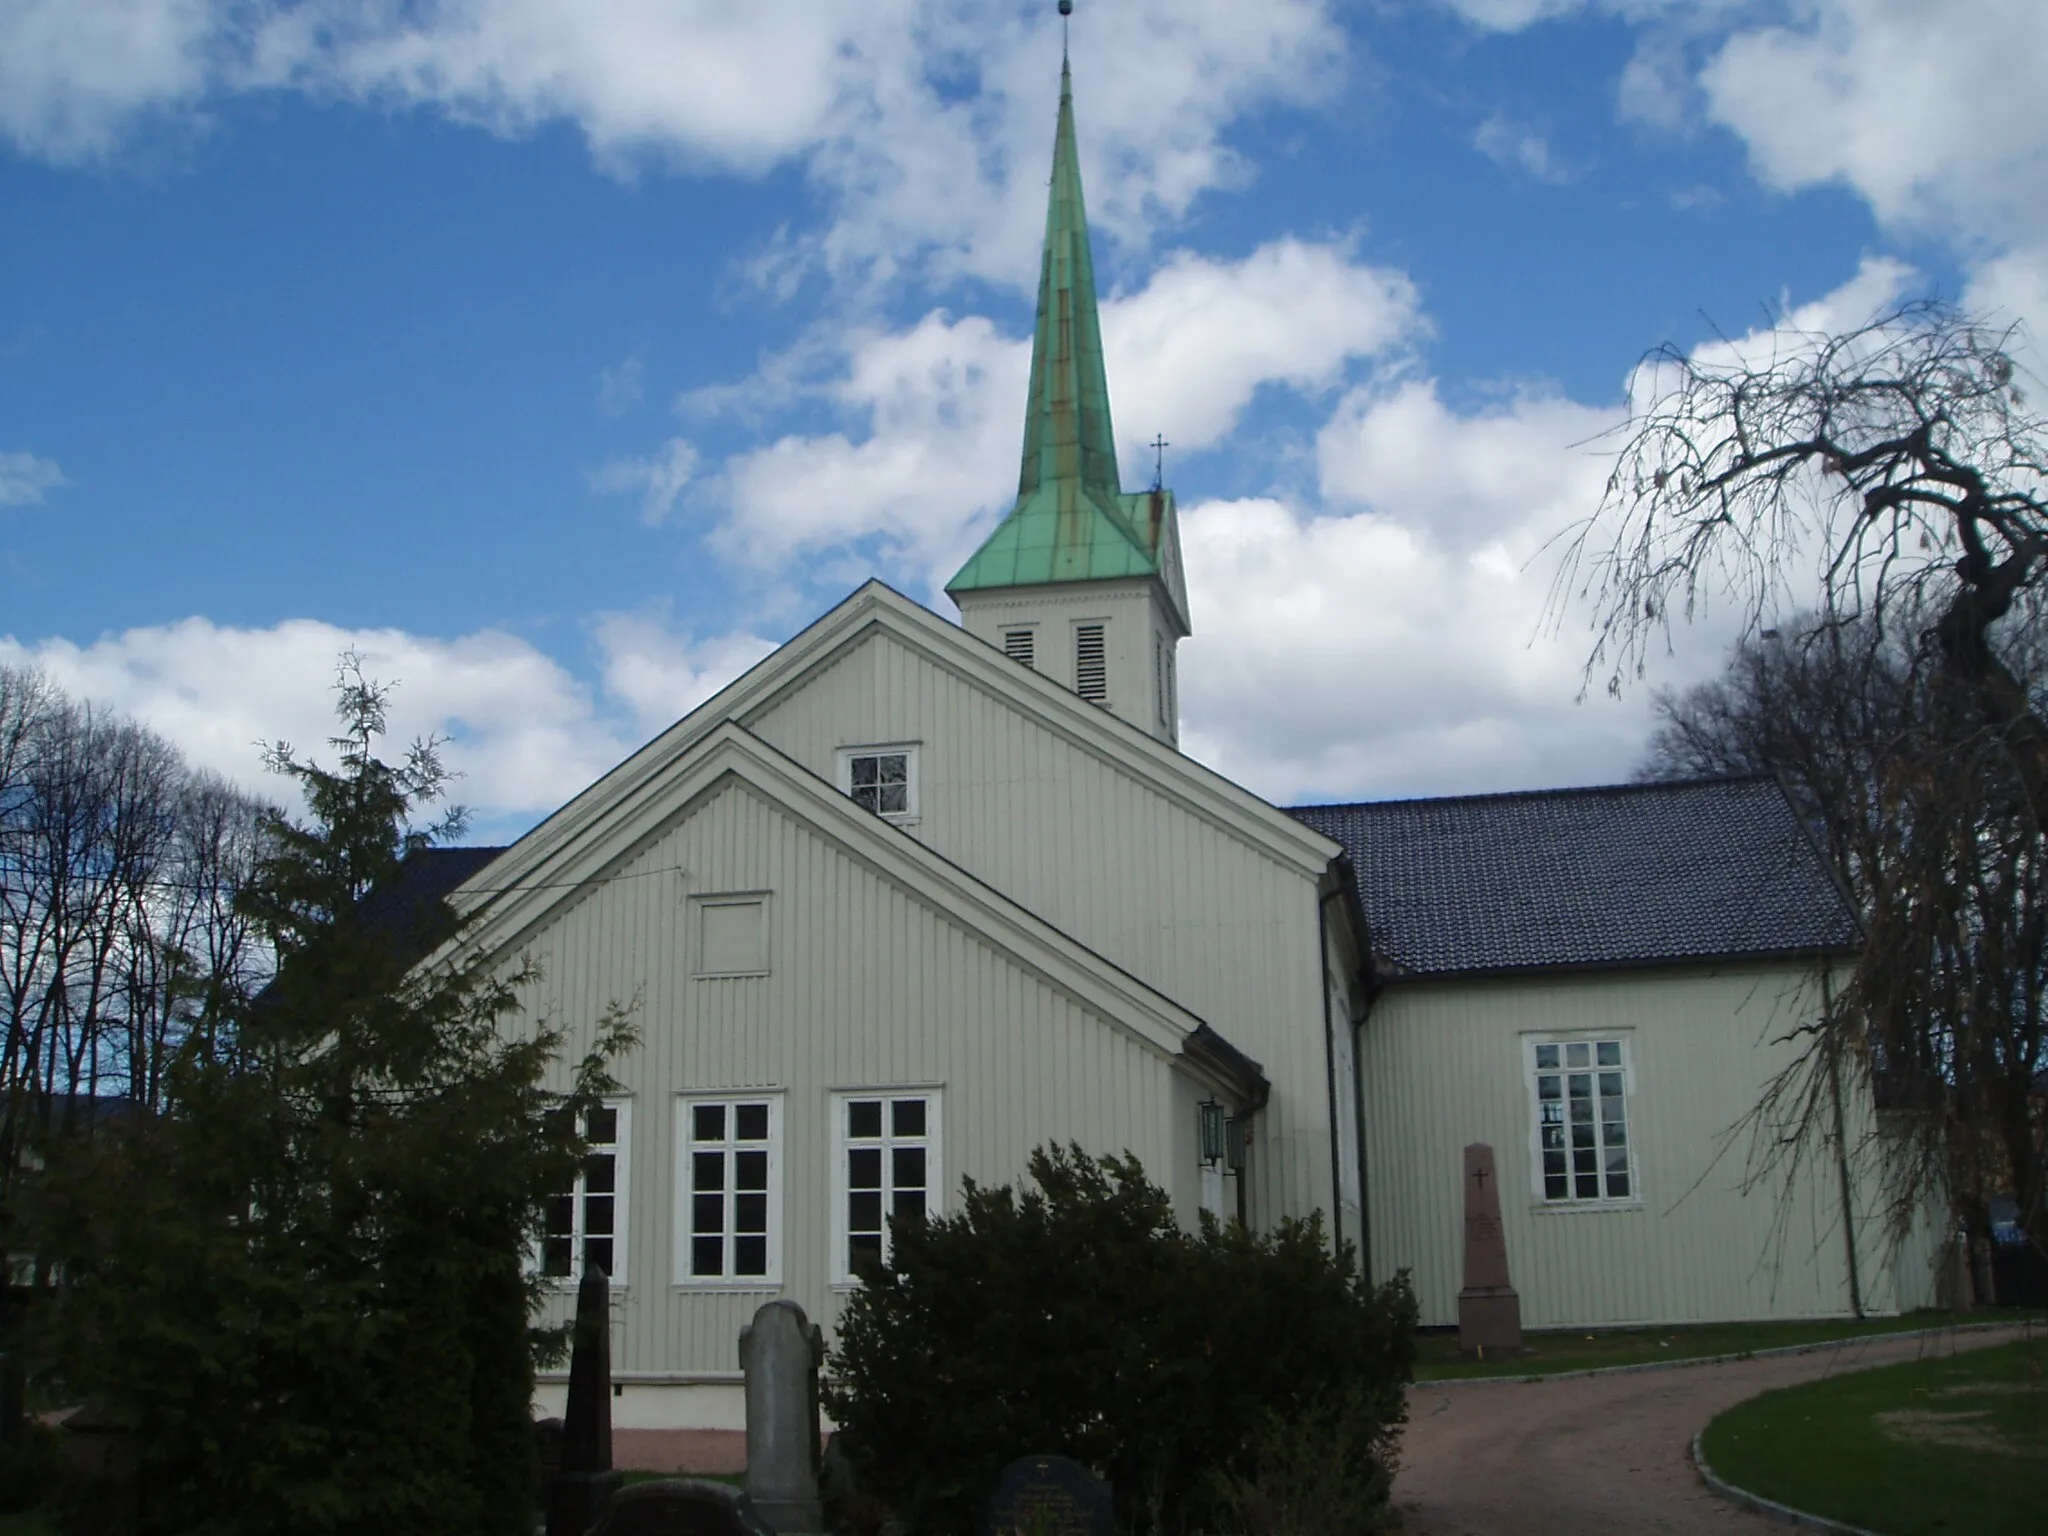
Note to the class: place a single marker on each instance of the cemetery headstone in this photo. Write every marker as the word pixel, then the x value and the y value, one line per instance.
pixel 1048 1496
pixel 1489 1311
pixel 682 1506
pixel 579 1490
pixel 780 1352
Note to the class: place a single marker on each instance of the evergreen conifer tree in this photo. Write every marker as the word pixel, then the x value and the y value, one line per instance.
pixel 304 1285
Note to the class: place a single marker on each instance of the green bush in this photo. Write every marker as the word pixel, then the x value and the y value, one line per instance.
pixel 1079 1318
pixel 302 1282
pixel 30 1471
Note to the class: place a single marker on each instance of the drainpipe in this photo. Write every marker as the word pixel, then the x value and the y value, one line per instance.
pixel 1330 1072
pixel 1841 1136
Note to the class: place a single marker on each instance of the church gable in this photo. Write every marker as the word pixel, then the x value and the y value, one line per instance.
pixel 620 858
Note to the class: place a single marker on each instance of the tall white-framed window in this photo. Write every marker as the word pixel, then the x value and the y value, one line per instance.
pixel 882 779
pixel 729 1190
pixel 885 1165
pixel 1091 662
pixel 1582 1145
pixel 587 1225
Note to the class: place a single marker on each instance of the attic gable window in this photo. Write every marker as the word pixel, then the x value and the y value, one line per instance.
pixel 1091 663
pixel 881 779
pixel 1582 1142
pixel 1018 646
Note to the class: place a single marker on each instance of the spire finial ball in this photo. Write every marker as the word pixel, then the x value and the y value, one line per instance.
pixel 1066 7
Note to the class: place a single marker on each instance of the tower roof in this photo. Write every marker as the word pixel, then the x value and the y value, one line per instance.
pixel 1072 520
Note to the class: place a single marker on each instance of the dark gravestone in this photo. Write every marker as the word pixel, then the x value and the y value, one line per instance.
pixel 547 1445
pixel 1048 1496
pixel 1489 1311
pixel 681 1506
pixel 579 1490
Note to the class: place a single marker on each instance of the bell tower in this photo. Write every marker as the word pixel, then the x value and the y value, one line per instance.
pixel 1081 580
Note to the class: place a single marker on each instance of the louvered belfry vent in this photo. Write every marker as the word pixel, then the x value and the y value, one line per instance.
pixel 1017 646
pixel 1091 668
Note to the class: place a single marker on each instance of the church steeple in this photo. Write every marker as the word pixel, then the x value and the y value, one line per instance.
pixel 1074 539
pixel 1068 441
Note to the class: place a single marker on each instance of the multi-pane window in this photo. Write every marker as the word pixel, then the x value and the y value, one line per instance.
pixel 1091 663
pixel 1582 1131
pixel 888 1169
pixel 1017 645
pixel 588 1224
pixel 880 779
pixel 731 1164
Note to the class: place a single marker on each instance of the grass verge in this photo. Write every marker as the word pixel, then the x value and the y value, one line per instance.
pixel 1928 1448
pixel 1591 1349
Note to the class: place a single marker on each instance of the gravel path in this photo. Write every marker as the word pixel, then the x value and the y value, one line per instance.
pixel 1601 1454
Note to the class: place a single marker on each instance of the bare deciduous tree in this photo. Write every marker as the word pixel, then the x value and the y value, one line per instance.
pixel 1895 478
pixel 118 868
pixel 1932 828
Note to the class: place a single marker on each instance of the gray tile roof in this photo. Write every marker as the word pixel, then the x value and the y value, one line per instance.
pixel 1621 875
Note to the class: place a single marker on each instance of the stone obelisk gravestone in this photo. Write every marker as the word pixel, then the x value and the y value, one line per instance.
pixel 780 1351
pixel 1489 1311
pixel 580 1490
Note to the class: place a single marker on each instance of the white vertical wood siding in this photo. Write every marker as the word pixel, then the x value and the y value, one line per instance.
pixel 867 988
pixel 1695 1248
pixel 1194 910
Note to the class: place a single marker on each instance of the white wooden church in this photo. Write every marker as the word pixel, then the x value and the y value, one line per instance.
pixel 913 897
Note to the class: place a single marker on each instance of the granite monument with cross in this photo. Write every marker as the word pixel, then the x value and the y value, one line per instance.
pixel 1489 1311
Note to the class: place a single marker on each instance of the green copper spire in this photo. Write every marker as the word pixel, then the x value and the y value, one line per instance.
pixel 1072 521
pixel 1067 436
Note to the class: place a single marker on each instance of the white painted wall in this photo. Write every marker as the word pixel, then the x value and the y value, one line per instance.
pixel 1188 905
pixel 1441 1065
pixel 866 988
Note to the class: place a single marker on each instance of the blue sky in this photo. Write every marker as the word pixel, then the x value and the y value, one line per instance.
pixel 562 359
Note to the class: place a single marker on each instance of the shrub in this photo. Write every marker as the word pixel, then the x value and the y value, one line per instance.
pixel 29 1472
pixel 1325 1471
pixel 1079 1318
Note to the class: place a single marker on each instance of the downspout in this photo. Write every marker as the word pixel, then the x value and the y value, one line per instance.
pixel 1827 1003
pixel 1330 1071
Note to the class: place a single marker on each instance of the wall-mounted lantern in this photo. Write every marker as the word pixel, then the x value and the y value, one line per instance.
pixel 1214 1134
pixel 1238 1137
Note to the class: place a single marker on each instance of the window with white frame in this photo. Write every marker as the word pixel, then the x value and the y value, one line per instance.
pixel 881 779
pixel 729 1179
pixel 886 1166
pixel 588 1224
pixel 1020 646
pixel 1581 1092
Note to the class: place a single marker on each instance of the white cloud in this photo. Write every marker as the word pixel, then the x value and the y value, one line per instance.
pixel 523 731
pixel 923 123
pixel 1192 347
pixel 620 389
pixel 1933 113
pixel 74 74
pixel 24 478
pixel 1357 657
pixel 658 479
pixel 1531 462
pixel 935 411
pixel 1512 144
pixel 661 675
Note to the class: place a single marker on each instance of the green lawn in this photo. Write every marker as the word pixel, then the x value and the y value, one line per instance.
pixel 1585 1350
pixel 1929 1448
pixel 32 1522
